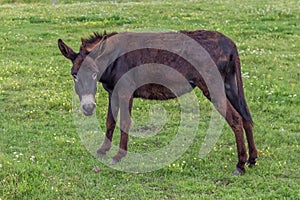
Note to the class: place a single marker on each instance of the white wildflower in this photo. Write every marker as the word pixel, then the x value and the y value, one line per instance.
pixel 32 158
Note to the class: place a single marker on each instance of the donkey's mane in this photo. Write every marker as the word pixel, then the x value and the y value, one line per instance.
pixel 96 37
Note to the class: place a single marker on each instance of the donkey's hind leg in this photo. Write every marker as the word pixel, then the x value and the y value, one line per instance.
pixel 235 121
pixel 235 99
pixel 251 144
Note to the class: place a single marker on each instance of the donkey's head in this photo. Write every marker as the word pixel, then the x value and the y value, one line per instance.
pixel 84 71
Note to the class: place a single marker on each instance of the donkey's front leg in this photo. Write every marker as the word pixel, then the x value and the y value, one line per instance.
pixel 125 121
pixel 112 113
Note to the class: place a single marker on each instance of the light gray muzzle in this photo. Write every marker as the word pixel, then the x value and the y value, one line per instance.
pixel 88 104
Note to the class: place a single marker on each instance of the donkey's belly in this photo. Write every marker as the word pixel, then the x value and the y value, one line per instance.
pixel 159 92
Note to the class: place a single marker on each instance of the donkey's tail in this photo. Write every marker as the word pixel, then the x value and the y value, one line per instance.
pixel 244 110
pixel 235 90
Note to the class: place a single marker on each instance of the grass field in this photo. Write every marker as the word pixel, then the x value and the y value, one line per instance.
pixel 41 154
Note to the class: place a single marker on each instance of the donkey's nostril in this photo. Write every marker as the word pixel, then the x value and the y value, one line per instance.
pixel 88 109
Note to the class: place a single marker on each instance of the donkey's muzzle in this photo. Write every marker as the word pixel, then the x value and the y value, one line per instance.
pixel 88 104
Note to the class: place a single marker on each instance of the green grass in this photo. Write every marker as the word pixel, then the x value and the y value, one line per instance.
pixel 41 154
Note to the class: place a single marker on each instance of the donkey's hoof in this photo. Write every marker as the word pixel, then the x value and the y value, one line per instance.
pixel 251 163
pixel 114 161
pixel 100 154
pixel 238 172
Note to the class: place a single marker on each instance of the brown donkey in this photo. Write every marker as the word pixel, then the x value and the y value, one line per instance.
pixel 106 58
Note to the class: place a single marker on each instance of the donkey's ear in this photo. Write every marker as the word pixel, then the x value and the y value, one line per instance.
pixel 83 42
pixel 66 51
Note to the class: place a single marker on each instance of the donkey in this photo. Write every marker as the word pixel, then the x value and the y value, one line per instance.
pixel 122 52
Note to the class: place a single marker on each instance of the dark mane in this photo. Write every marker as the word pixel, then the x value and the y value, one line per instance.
pixel 96 37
